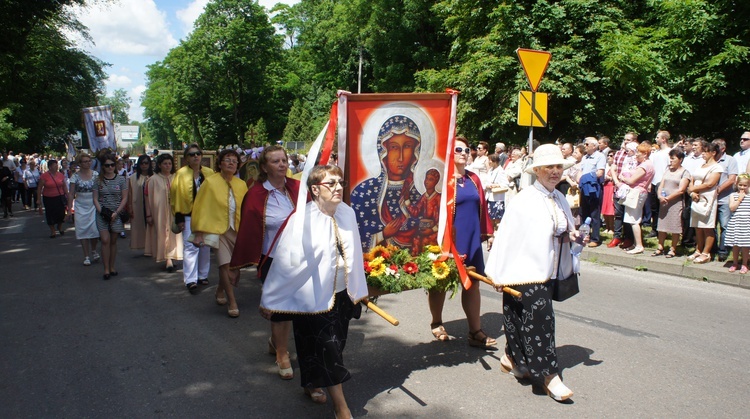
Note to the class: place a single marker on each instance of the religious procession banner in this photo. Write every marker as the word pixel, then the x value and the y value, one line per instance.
pixel 397 155
pixel 100 127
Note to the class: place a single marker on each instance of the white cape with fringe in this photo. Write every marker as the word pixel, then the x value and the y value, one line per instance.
pixel 309 286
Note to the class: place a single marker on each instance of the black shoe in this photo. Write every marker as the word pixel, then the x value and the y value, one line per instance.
pixel 105 277
pixel 170 269
pixel 203 281
pixel 113 273
pixel 652 234
pixel 192 288
pixel 723 258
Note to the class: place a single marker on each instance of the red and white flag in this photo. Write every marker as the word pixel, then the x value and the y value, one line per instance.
pixel 100 127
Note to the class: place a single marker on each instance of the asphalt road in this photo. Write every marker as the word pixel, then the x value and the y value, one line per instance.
pixel 632 344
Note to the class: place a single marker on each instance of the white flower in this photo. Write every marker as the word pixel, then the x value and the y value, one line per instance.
pixel 433 256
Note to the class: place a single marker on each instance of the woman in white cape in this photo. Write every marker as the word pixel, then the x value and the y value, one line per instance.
pixel 525 257
pixel 318 277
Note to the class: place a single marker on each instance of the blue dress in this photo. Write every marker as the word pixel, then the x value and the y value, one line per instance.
pixel 466 229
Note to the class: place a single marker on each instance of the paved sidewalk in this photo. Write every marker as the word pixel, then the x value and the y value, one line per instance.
pixel 679 266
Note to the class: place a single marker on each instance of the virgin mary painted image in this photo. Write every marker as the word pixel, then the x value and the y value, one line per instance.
pixel 385 204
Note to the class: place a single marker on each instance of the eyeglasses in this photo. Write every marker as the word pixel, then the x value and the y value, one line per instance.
pixel 194 153
pixel 230 161
pixel 460 150
pixel 332 183
pixel 108 165
pixel 744 139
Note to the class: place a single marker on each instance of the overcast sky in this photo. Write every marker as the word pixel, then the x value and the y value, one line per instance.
pixel 131 34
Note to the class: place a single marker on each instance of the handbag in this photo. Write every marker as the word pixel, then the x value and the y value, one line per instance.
pixel 567 287
pixel 175 228
pixel 124 217
pixel 106 214
pixel 703 207
pixel 631 198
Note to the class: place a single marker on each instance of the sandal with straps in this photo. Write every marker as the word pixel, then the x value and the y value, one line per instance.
pixel 479 339
pixel 703 258
pixel 658 252
pixel 440 333
pixel 672 253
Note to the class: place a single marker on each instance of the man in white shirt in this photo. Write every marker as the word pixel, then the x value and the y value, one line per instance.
pixel 604 145
pixel 694 159
pixel 567 152
pixel 660 160
pixel 743 156
pixel 592 167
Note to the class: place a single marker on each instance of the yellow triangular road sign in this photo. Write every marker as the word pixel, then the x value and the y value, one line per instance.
pixel 534 64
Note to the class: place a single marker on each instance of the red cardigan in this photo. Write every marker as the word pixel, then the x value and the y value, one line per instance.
pixel 249 244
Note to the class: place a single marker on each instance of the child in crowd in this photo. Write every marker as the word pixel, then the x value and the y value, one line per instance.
pixel 738 229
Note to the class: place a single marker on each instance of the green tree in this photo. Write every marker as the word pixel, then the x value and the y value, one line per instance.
pixel 44 78
pixel 9 134
pixel 219 80
pixel 120 103
pixel 257 133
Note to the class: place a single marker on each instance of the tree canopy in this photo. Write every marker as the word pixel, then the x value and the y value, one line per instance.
pixel 617 66
pixel 44 79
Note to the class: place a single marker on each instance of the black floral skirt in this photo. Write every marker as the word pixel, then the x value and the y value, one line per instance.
pixel 530 329
pixel 320 340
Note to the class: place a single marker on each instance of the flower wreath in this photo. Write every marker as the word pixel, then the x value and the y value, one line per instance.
pixel 393 269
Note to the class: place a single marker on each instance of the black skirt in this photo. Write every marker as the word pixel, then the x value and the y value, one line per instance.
pixel 530 329
pixel 54 209
pixel 320 340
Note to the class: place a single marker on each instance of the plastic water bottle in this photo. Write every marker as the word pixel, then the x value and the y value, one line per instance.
pixel 663 193
pixel 583 231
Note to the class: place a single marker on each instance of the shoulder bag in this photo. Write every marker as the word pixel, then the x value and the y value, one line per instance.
pixel 703 206
pixel 564 288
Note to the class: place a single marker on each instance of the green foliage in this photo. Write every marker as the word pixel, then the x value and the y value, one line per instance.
pixel 392 270
pixel 616 66
pixel 9 134
pixel 224 77
pixel 257 133
pixel 120 103
pixel 44 79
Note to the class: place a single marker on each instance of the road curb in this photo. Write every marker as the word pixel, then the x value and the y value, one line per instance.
pixel 715 271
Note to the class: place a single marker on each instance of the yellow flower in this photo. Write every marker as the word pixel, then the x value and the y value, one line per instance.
pixel 440 270
pixel 376 262
pixel 434 249
pixel 378 251
pixel 377 270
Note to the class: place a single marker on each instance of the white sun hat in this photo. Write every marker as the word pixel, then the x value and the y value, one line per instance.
pixel 548 155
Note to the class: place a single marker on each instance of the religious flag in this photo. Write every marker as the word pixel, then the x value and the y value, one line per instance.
pixel 71 150
pixel 100 127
